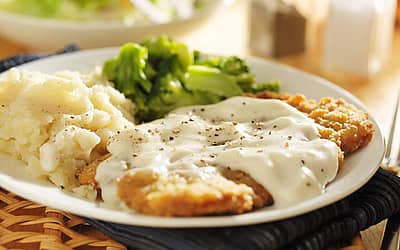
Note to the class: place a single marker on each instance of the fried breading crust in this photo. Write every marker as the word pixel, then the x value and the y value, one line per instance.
pixel 86 175
pixel 174 195
pixel 341 122
pixel 233 192
pixel 261 196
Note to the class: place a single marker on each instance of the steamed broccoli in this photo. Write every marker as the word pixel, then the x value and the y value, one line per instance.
pixel 166 66
pixel 127 72
pixel 164 51
pixel 161 74
pixel 212 80
pixel 238 68
pixel 171 94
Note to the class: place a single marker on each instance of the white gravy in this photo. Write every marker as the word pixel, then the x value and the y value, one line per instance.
pixel 270 140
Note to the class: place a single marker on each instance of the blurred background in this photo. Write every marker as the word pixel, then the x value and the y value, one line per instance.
pixel 355 44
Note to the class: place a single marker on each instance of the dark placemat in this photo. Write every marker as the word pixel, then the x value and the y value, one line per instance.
pixel 16 60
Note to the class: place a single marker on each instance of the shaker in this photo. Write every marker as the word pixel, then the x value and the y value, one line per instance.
pixel 358 35
pixel 281 28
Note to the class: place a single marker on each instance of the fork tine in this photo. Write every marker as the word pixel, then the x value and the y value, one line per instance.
pixel 391 235
pixel 391 133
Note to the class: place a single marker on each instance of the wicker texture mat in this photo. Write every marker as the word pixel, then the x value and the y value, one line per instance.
pixel 26 225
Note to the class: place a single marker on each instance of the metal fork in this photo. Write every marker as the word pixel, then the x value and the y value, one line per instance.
pixel 391 237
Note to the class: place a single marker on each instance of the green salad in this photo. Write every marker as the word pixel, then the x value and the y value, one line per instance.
pixel 161 74
pixel 124 10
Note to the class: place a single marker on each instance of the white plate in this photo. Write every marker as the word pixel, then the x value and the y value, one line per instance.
pixel 357 169
pixel 51 34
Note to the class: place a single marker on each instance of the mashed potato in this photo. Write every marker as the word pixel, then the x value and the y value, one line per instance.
pixel 59 123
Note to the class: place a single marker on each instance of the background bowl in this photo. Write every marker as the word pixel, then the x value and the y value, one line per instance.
pixel 51 34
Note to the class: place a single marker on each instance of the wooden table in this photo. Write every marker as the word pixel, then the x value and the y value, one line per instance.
pixel 227 33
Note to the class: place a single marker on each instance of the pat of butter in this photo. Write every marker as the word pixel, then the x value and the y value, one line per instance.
pixel 358 35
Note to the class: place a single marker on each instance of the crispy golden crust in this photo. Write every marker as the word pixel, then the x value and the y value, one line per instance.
pixel 261 196
pixel 86 175
pixel 150 193
pixel 341 122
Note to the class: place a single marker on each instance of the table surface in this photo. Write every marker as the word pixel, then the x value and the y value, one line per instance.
pixel 227 33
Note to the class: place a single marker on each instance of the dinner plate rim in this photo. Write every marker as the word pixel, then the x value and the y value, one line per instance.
pixel 205 221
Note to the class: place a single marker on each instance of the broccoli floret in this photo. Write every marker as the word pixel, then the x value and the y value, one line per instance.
pixel 170 94
pixel 164 49
pixel 161 75
pixel 127 72
pixel 213 62
pixel 237 68
pixel 234 65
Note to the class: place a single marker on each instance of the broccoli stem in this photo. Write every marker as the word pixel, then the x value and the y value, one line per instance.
pixel 211 80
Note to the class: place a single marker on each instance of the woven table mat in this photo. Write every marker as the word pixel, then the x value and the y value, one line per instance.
pixel 26 225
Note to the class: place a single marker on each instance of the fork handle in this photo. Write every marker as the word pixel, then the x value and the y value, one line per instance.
pixel 391 240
